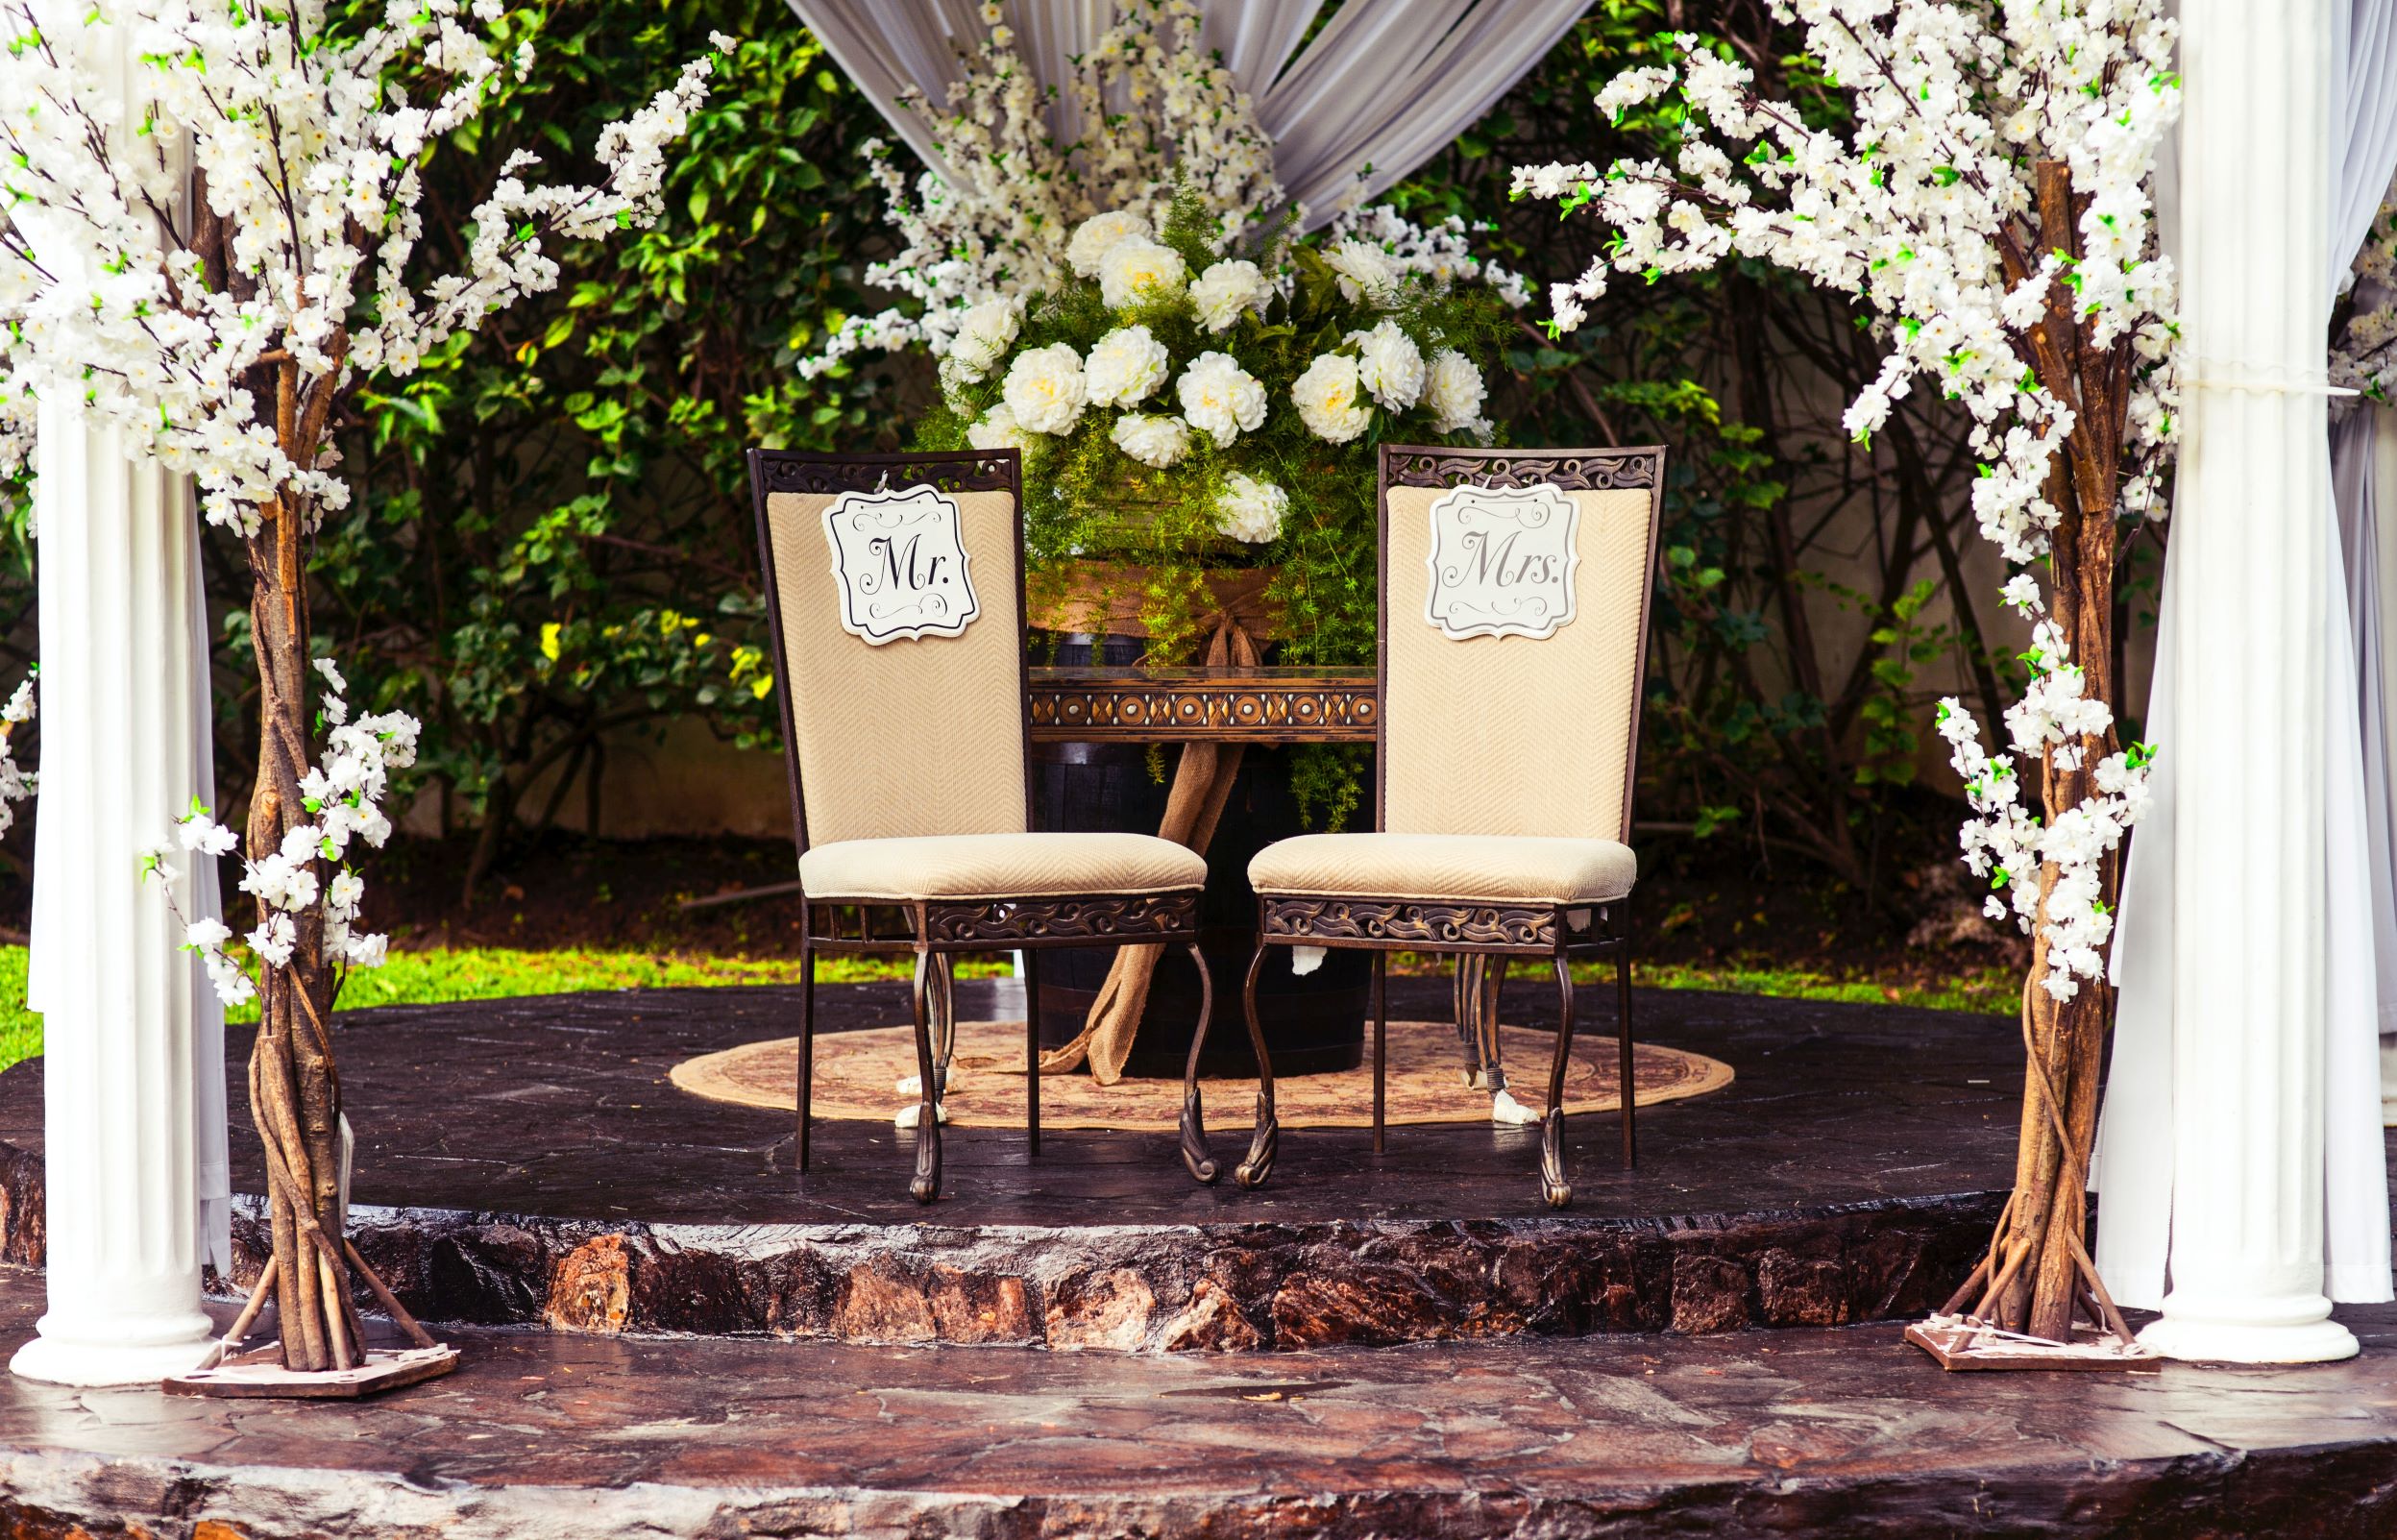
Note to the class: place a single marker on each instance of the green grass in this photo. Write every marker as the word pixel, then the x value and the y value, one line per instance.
pixel 491 973
pixel 1990 990
pixel 20 1030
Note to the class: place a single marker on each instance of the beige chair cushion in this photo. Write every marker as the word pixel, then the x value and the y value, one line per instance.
pixel 974 867
pixel 1471 868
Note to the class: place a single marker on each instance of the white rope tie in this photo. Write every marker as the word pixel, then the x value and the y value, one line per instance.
pixel 2232 375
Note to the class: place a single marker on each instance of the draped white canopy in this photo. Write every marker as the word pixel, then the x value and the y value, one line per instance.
pixel 2138 1174
pixel 1371 96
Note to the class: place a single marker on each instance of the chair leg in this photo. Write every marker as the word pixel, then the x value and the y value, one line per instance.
pixel 926 1185
pixel 806 1087
pixel 1031 1050
pixel 1253 1171
pixel 1623 1052
pixel 1462 985
pixel 943 989
pixel 1195 1155
pixel 1493 989
pixel 1381 1046
pixel 1553 1184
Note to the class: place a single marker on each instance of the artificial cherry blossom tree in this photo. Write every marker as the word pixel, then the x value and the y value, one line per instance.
pixel 1986 206
pixel 208 251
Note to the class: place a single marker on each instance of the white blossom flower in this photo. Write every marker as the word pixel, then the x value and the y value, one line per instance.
pixel 366 951
pixel 1135 272
pixel 1226 291
pixel 1220 398
pixel 274 940
pixel 1365 271
pixel 998 429
pixel 206 934
pixel 1152 440
pixel 201 833
pixel 1125 367
pixel 1630 88
pixel 984 333
pixel 1389 365
pixel 1250 510
pixel 17 783
pixel 1329 400
pixel 1044 388
pixel 1453 392
pixel 1097 234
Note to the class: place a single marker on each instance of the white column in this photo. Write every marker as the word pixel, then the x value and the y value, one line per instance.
pixel 121 1014
pixel 2250 553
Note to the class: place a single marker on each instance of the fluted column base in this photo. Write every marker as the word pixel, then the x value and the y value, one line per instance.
pixel 100 1353
pixel 2249 1329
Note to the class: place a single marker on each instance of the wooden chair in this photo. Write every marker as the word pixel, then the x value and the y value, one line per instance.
pixel 905 696
pixel 1506 755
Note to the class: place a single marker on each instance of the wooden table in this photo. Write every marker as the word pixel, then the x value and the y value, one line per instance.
pixel 1129 705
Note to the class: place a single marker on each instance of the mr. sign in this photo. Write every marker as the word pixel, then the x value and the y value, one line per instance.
pixel 900 559
pixel 1501 561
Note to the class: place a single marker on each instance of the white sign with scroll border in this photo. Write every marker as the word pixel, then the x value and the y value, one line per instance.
pixel 1502 561
pixel 899 560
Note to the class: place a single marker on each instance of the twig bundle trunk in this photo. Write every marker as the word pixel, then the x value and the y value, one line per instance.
pixel 295 1089
pixel 2038 1272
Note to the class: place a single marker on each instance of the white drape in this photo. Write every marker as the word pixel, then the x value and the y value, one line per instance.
pixel 2132 1171
pixel 1377 91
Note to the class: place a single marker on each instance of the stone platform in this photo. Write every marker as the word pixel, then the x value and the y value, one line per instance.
pixel 527 1161
pixel 1841 1432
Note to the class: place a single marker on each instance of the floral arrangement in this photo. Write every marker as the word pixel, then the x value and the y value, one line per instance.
pixel 1179 408
pixel 209 272
pixel 1986 205
pixel 999 223
pixel 1125 302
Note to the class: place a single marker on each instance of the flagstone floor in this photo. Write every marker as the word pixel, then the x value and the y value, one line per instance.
pixel 1841 1433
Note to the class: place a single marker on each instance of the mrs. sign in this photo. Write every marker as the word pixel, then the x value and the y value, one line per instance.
pixel 900 558
pixel 1501 561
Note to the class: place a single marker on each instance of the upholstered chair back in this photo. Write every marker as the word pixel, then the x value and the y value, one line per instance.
pixel 919 735
pixel 1511 733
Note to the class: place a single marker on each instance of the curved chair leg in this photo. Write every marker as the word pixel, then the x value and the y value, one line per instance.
pixel 1465 988
pixel 1031 1050
pixel 926 1185
pixel 1553 1184
pixel 944 1021
pixel 1623 1052
pixel 1381 1046
pixel 807 1047
pixel 1253 1171
pixel 1478 978
pixel 1195 1154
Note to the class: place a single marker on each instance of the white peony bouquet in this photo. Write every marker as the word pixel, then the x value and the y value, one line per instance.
pixel 1179 404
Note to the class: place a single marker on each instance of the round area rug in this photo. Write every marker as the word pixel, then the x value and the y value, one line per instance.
pixel 857 1076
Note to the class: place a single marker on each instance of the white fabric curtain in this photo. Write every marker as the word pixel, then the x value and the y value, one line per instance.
pixel 1377 91
pixel 2133 1170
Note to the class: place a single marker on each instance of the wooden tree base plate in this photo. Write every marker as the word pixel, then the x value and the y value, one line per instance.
pixel 1960 1343
pixel 260 1372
